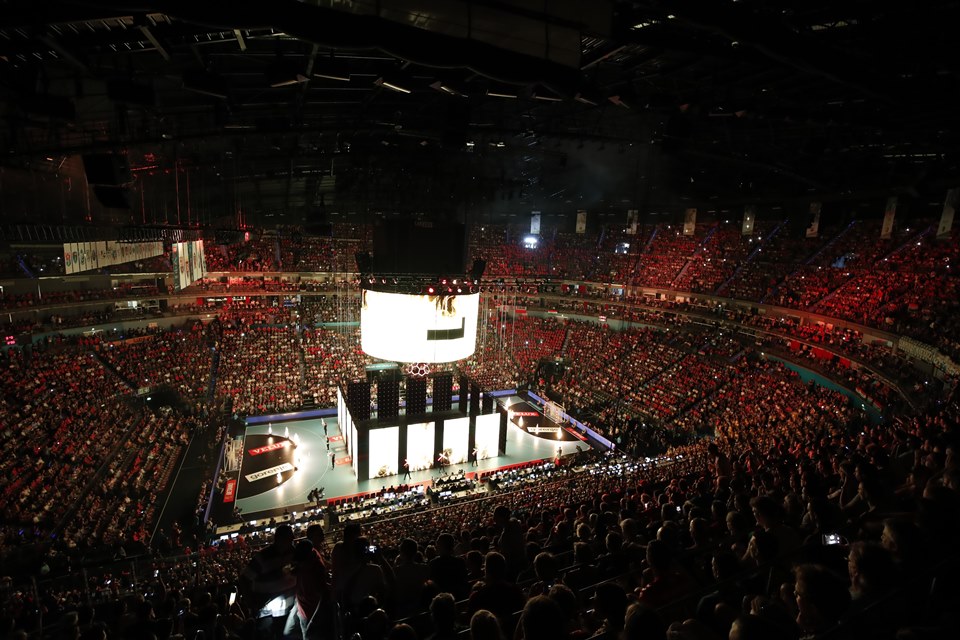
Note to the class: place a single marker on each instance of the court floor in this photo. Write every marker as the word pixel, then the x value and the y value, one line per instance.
pixel 314 470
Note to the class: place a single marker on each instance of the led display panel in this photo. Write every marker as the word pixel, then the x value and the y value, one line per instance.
pixel 384 449
pixel 488 436
pixel 456 433
pixel 353 446
pixel 418 328
pixel 420 445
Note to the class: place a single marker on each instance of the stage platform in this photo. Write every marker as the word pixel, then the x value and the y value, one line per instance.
pixel 267 453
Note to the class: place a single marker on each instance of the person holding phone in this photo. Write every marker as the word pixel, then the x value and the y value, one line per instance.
pixel 367 577
pixel 267 583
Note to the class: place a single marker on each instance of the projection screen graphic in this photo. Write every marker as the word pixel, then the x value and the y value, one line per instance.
pixel 418 328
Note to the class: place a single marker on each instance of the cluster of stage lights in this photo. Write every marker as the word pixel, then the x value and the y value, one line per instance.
pixel 445 286
pixel 450 287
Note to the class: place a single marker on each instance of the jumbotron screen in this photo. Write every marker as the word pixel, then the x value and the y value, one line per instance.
pixel 418 328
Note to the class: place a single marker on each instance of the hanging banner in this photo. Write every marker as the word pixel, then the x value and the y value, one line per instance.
pixel 67 258
pixel 949 208
pixel 633 219
pixel 749 218
pixel 535 223
pixel 689 222
pixel 888 214
pixel 581 221
pixel 813 229
pixel 83 256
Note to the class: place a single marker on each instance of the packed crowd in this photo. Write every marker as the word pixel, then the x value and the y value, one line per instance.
pixel 797 520
pixel 735 537
pixel 331 356
pixel 260 368
pixel 179 359
pixel 83 465
pixel 73 296
pixel 903 284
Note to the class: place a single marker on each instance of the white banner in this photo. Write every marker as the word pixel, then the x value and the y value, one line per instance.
pixel 581 221
pixel 813 229
pixel 83 256
pixel 949 208
pixel 888 215
pixel 68 266
pixel 267 473
pixel 535 223
pixel 689 222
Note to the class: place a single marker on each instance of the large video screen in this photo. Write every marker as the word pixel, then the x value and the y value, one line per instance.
pixel 384 450
pixel 418 328
pixel 456 435
pixel 488 436
pixel 420 437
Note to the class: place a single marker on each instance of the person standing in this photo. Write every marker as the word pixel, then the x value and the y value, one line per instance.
pixel 333 459
pixel 314 610
pixel 406 468
pixel 267 584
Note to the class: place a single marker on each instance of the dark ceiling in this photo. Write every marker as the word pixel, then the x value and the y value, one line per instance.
pixel 479 110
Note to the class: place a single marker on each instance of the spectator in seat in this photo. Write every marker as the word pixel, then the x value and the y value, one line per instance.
pixel 510 540
pixel 610 604
pixel 822 599
pixel 643 623
pixel 484 626
pixel 443 613
pixel 902 538
pixel 447 571
pixel 664 583
pixel 871 569
pixel 541 619
pixel 497 592
pixel 769 515
pixel 411 575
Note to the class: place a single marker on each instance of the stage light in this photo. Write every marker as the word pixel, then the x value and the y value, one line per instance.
pixel 431 290
pixel 445 87
pixel 394 83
